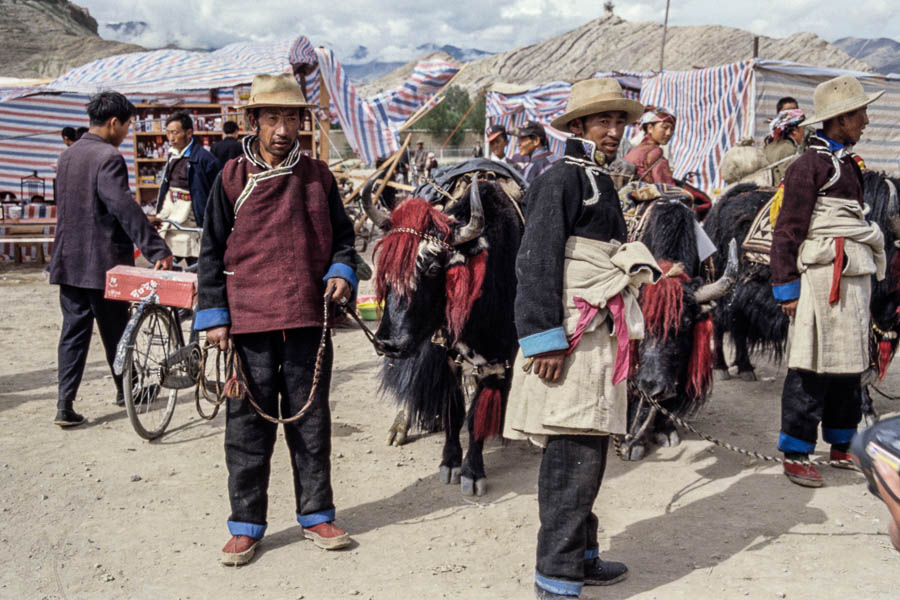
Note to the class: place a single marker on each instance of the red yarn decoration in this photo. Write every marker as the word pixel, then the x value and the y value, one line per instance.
pixel 464 283
pixel 700 363
pixel 884 357
pixel 663 303
pixel 488 414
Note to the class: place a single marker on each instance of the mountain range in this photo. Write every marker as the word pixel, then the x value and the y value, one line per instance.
pixel 882 53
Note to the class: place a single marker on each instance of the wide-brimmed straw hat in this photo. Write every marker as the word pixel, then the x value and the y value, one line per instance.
pixel 276 90
pixel 593 96
pixel 839 96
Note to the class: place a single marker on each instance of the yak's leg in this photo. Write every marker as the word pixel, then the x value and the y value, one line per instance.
pixel 638 413
pixel 720 365
pixel 666 434
pixel 400 429
pixel 488 404
pixel 451 460
pixel 869 416
pixel 742 352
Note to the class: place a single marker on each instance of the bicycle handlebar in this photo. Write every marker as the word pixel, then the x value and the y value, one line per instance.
pixel 180 227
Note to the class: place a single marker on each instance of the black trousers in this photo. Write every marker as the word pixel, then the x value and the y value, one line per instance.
pixel 811 398
pixel 279 367
pixel 80 308
pixel 571 472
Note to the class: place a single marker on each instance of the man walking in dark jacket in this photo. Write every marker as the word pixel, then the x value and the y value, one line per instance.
pixel 98 225
pixel 229 146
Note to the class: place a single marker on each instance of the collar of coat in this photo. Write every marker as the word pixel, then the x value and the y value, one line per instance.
pixel 582 152
pixel 250 151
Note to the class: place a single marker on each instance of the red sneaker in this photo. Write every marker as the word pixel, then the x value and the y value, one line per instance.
pixel 239 550
pixel 327 536
pixel 805 475
pixel 839 455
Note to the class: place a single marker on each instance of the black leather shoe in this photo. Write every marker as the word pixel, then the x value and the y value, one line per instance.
pixel 542 594
pixel 68 418
pixel 600 572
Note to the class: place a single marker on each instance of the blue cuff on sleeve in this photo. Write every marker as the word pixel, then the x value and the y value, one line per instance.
pixel 344 272
pixel 211 317
pixel 545 341
pixel 786 291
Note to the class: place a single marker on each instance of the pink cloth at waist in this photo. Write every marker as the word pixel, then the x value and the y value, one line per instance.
pixel 587 312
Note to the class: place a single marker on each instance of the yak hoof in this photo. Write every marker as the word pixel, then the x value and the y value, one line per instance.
pixel 444 474
pixel 399 429
pixel 450 474
pixel 667 440
pixel 467 485
pixel 481 486
pixel 636 452
pixel 455 473
pixel 748 375
pixel 721 374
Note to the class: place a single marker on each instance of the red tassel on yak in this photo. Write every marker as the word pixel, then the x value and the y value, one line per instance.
pixel 464 283
pixel 884 357
pixel 488 414
pixel 700 362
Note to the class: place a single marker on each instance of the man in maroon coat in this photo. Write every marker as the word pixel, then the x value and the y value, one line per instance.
pixel 276 241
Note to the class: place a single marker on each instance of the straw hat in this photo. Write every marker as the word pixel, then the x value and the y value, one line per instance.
pixel 839 96
pixel 276 90
pixel 593 96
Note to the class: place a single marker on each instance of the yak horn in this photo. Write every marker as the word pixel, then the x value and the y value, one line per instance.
pixel 715 290
pixel 893 217
pixel 475 226
pixel 379 217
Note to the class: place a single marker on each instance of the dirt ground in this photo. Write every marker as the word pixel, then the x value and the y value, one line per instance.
pixel 96 512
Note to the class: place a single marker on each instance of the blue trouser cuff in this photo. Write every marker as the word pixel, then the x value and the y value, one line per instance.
pixel 837 436
pixel 591 553
pixel 249 529
pixel 316 518
pixel 788 443
pixel 558 586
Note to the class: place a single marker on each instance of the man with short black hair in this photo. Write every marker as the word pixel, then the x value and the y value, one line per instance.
pixel 98 225
pixel 229 146
pixel 533 144
pixel 497 141
pixel 187 179
pixel 786 103
pixel 68 136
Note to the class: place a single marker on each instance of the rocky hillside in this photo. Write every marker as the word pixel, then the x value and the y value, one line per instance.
pixel 881 53
pixel 613 44
pixel 46 38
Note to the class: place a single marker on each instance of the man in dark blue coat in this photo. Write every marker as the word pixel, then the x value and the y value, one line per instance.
pixel 187 179
pixel 98 225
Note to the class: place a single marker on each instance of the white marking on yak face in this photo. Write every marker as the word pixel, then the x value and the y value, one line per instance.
pixel 429 261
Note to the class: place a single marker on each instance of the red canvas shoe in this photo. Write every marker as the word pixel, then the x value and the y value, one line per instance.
pixel 239 550
pixel 805 475
pixel 327 536
pixel 839 455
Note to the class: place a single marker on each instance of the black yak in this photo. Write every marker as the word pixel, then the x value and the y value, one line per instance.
pixel 447 277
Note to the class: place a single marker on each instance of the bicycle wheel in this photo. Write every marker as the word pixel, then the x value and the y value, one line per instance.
pixel 149 405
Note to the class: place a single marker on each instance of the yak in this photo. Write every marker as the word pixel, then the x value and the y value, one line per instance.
pixel 673 361
pixel 750 312
pixel 446 275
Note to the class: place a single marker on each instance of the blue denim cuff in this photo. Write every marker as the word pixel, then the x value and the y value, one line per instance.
pixel 545 341
pixel 838 436
pixel 346 273
pixel 558 586
pixel 249 529
pixel 316 518
pixel 591 553
pixel 787 443
pixel 211 317
pixel 786 291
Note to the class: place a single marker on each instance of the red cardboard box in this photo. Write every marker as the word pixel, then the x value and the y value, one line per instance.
pixel 134 284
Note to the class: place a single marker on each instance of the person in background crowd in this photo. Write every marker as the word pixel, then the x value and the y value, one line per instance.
pixel 478 150
pixel 80 132
pixel 420 158
pixel 647 157
pixel 187 178
pixel 68 136
pixel 98 225
pixel 263 278
pixel 786 103
pixel 498 140
pixel 430 164
pixel 821 218
pixel 785 139
pixel 229 146
pixel 533 145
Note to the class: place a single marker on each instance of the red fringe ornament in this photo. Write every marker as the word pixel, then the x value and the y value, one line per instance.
pixel 884 357
pixel 700 362
pixel 663 303
pixel 488 414
pixel 464 283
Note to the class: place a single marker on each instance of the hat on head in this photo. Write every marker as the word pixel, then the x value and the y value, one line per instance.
pixel 657 115
pixel 276 90
pixel 593 96
pixel 530 129
pixel 839 96
pixel 494 131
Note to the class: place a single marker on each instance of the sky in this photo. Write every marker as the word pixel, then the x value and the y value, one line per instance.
pixel 390 27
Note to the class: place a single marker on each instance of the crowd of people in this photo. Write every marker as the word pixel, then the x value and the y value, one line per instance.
pixel 262 279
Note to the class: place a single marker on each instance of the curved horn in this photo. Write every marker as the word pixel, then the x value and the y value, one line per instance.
pixel 475 226
pixel 379 217
pixel 718 288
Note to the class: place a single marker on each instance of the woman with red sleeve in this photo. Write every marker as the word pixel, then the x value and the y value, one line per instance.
pixel 651 166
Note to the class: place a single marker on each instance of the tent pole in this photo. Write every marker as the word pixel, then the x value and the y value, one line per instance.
pixel 662 48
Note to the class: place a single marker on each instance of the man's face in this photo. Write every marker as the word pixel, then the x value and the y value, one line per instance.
pixel 789 106
pixel 119 130
pixel 277 129
pixel 178 137
pixel 68 141
pixel 604 129
pixel 528 144
pixel 853 124
pixel 498 146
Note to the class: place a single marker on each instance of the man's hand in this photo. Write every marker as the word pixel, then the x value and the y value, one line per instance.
pixel 164 264
pixel 549 365
pixel 155 221
pixel 339 289
pixel 891 480
pixel 789 308
pixel 218 336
